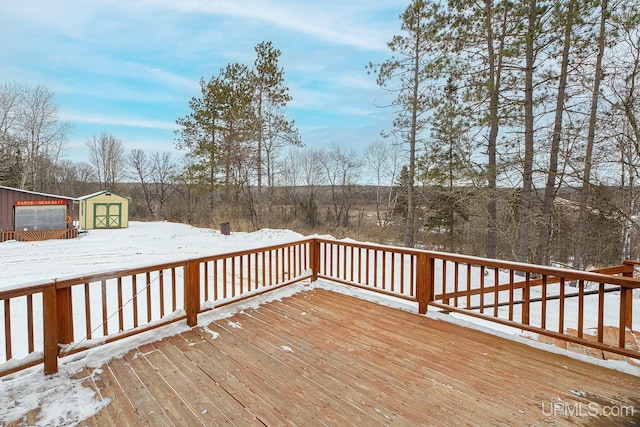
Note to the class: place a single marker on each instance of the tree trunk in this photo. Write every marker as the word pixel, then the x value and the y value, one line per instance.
pixel 527 174
pixel 408 240
pixel 494 123
pixel 546 228
pixel 578 260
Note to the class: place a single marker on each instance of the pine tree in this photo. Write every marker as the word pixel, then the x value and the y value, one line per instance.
pixel 408 76
pixel 446 167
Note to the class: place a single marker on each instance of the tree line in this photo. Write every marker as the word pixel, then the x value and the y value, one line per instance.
pixel 535 96
pixel 515 135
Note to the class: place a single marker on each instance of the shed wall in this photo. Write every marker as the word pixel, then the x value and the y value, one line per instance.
pixel 8 198
pixel 100 211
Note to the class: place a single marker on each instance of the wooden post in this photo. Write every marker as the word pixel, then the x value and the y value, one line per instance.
pixel 424 281
pixel 623 317
pixel 64 315
pixel 526 306
pixel 628 296
pixel 192 291
pixel 629 309
pixel 314 259
pixel 50 326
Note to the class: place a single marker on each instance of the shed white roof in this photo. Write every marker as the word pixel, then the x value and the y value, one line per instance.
pixel 56 196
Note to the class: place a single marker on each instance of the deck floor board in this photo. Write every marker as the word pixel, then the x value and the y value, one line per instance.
pixel 324 358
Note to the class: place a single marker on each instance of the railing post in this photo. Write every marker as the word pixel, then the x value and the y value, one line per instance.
pixel 64 315
pixel 50 332
pixel 526 306
pixel 314 259
pixel 622 317
pixel 192 291
pixel 424 281
pixel 628 297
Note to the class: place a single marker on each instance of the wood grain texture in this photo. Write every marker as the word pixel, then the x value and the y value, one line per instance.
pixel 323 358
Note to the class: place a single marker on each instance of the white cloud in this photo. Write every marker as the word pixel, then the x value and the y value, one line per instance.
pixel 116 121
pixel 339 22
pixel 131 66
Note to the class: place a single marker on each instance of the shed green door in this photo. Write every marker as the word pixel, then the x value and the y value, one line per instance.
pixel 107 215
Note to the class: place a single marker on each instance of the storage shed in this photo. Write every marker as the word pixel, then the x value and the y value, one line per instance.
pixel 22 210
pixel 104 209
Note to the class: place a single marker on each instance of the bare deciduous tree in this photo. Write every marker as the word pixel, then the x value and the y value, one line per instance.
pixel 384 160
pixel 106 155
pixel 32 137
pixel 156 175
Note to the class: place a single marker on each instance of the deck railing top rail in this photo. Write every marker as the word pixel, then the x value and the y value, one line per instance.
pixel 607 274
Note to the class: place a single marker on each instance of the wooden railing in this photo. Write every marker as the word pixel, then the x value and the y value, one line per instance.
pixel 523 296
pixel 34 235
pixel 81 312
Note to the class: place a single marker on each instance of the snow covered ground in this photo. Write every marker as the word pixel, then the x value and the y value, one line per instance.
pixel 63 400
pixel 142 244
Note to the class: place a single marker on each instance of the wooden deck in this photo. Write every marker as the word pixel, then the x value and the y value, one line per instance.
pixel 322 358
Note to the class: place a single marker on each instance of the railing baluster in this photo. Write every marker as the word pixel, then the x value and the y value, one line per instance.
pixel 249 273
pixel 468 286
pixel 299 264
pixel 601 312
pixel 393 271
pixel 241 275
pixel 401 273
pixel 366 277
pixel 384 270
pixel 344 262
pixel 174 297
pixel 496 293
pixel 148 294
pixel 134 290
pixel 206 280
pixel 256 275
pixel 278 268
pixel 161 286
pixel 87 310
pixel 7 329
pixel 264 269
pixel 304 254
pixel 580 308
pixel 120 307
pixel 561 309
pixel 30 341
pixel 481 289
pixel 224 278
pixel 352 261
pixel 444 281
pixel 271 268
pixel 543 305
pixel 216 280
pixel 527 298
pixel 511 294
pixel 105 329
pixel 456 286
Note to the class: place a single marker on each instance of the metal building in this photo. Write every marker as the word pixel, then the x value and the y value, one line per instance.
pixel 22 210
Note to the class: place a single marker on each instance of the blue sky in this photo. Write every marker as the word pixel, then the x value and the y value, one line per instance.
pixel 129 67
